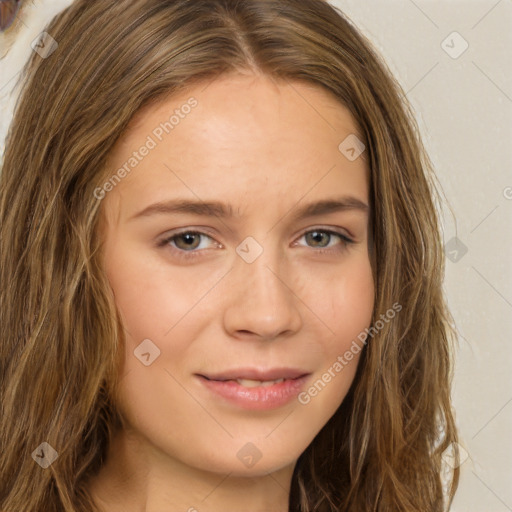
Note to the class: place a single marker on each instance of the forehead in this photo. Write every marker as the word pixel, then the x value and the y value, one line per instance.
pixel 235 108
pixel 240 136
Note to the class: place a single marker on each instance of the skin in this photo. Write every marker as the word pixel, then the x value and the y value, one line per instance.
pixel 266 148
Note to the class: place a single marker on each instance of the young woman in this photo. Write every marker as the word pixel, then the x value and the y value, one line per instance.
pixel 221 269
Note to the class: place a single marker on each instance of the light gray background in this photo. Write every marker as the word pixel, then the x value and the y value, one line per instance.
pixel 463 104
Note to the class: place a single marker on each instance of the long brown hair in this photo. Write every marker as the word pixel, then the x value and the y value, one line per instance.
pixel 61 334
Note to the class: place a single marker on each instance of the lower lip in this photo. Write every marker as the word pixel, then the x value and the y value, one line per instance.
pixel 259 398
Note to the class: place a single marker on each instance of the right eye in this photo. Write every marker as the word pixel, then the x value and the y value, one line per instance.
pixel 184 242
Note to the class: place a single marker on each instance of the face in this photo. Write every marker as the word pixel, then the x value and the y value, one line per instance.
pixel 236 245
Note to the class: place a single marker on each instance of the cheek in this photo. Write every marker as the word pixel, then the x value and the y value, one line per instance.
pixel 346 308
pixel 150 298
pixel 353 302
pixel 345 303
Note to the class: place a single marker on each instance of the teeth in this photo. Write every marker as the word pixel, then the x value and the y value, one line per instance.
pixel 248 383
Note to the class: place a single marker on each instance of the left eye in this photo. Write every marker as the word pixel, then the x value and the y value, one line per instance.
pixel 189 241
pixel 316 235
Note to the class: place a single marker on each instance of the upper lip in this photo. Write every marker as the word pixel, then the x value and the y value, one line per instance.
pixel 256 374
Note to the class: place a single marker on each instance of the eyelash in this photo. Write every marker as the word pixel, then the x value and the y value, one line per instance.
pixel 345 241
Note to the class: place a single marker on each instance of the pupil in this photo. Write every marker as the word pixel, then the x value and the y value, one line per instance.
pixel 317 234
pixel 187 240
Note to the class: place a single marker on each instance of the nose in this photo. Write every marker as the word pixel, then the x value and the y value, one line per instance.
pixel 261 303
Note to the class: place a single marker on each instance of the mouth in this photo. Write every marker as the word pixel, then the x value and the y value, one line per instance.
pixel 250 383
pixel 254 389
pixel 257 375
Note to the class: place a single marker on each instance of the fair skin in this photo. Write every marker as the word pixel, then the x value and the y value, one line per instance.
pixel 268 149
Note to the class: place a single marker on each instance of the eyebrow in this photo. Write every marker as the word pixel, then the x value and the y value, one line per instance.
pixel 219 209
